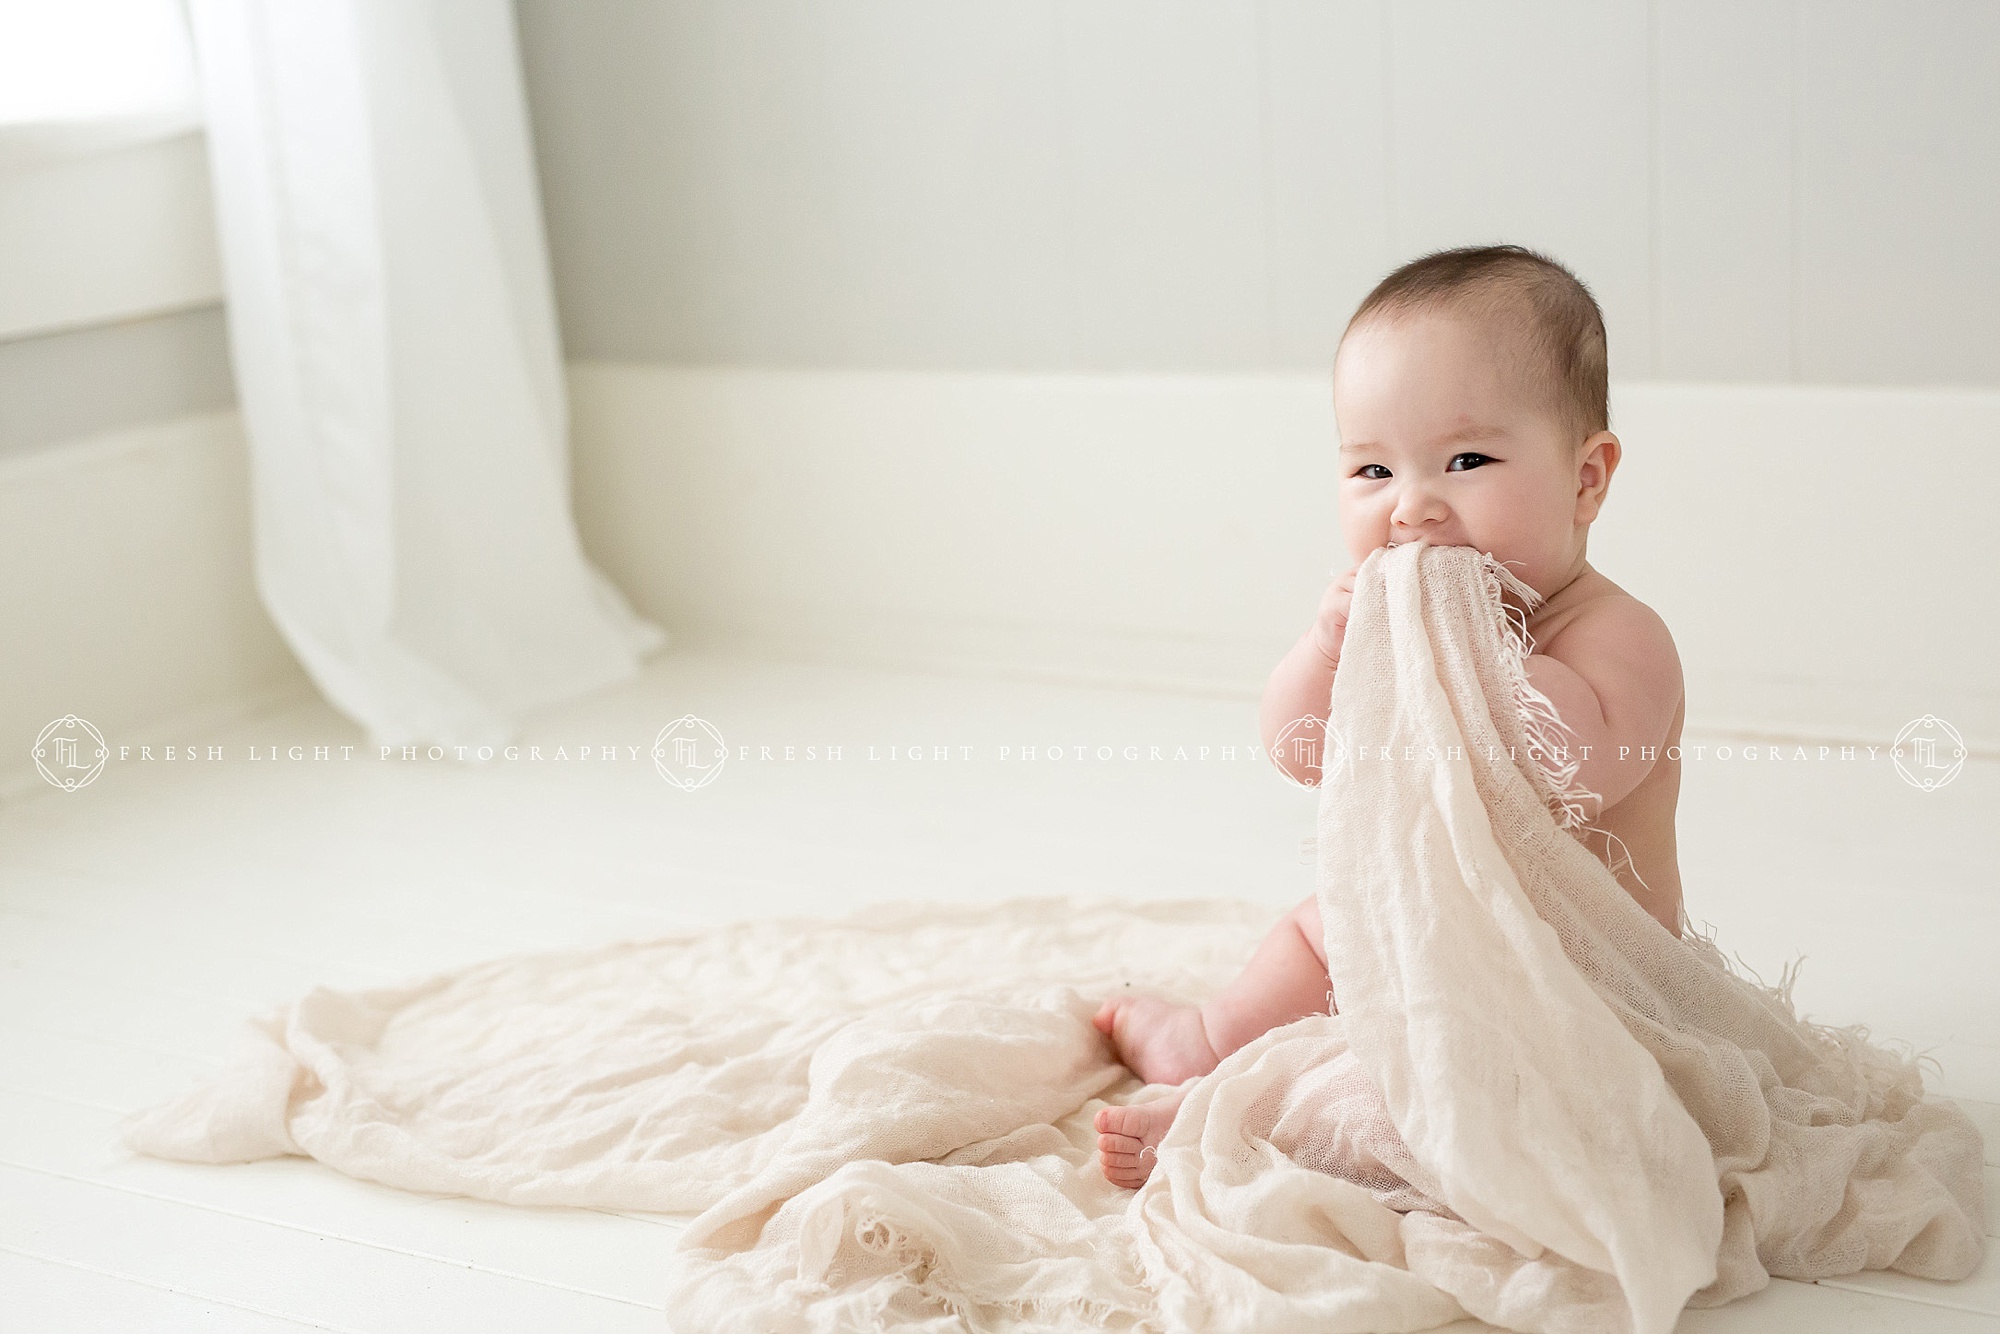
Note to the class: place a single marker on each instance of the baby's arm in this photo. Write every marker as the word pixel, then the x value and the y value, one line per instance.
pixel 1301 686
pixel 1615 678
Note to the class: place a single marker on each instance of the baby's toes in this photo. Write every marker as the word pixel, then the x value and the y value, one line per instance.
pixel 1127 1171
pixel 1127 1121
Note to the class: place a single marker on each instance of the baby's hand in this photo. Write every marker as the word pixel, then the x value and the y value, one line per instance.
pixel 1330 628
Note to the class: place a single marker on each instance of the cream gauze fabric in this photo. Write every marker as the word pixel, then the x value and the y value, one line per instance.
pixel 1535 1105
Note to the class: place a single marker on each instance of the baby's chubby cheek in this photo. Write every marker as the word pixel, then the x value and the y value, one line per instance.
pixel 1521 546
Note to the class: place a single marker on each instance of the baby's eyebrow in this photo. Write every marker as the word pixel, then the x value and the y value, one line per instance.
pixel 1462 435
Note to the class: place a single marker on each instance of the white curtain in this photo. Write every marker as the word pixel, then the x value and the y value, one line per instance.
pixel 397 364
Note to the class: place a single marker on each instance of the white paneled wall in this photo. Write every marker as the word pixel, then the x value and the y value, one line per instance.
pixel 1326 168
pixel 1528 123
pixel 1722 174
pixel 1758 190
pixel 1904 249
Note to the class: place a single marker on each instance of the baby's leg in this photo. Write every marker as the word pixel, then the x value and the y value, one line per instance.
pixel 1286 979
pixel 1165 1043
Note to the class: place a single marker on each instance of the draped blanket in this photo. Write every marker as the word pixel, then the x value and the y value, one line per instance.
pixel 1536 1105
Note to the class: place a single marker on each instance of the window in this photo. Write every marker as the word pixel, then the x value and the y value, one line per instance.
pixel 104 194
pixel 78 75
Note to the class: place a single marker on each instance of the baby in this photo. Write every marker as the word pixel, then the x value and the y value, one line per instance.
pixel 1471 397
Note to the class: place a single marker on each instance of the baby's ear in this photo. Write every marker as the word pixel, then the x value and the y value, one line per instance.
pixel 1596 459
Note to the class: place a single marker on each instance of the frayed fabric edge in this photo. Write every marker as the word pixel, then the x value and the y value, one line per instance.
pixel 1877 1061
pixel 1548 735
pixel 1564 792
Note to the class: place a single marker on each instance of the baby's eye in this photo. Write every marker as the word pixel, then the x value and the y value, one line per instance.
pixel 1363 472
pixel 1479 459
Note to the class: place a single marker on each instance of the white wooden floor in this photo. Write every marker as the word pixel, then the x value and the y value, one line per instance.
pixel 142 918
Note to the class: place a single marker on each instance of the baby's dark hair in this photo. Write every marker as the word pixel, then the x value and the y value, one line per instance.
pixel 1555 313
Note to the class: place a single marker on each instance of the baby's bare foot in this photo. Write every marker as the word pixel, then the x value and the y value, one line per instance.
pixel 1128 1138
pixel 1161 1042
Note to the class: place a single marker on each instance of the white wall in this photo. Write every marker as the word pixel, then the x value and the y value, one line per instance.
pixel 1757 189
pixel 1820 554
pixel 1022 194
pixel 99 236
pixel 1171 531
pixel 110 290
pixel 81 383
pixel 1151 529
pixel 125 587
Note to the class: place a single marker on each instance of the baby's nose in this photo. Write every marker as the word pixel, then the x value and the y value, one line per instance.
pixel 1419 509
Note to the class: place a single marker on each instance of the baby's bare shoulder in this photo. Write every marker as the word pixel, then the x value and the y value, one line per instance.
pixel 1623 649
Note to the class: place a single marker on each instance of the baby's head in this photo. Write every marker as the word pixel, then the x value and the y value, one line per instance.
pixel 1470 390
